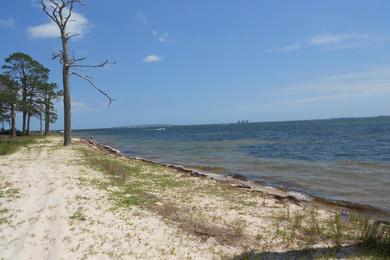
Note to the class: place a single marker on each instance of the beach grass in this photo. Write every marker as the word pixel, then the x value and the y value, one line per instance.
pixel 7 193
pixel 375 238
pixel 141 184
pixel 128 184
pixel 11 145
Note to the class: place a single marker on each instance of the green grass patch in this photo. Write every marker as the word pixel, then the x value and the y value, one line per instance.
pixel 78 215
pixel 7 191
pixel 129 183
pixel 3 216
pixel 11 145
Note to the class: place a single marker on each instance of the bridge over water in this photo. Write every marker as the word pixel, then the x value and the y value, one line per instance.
pixel 124 127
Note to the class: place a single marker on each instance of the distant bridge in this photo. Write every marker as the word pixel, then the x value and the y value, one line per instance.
pixel 124 127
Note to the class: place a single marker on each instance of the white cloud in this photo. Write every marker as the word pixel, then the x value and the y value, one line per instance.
pixel 288 48
pixel 374 82
pixel 80 106
pixel 337 41
pixel 331 38
pixel 161 37
pixel 7 23
pixel 152 58
pixel 77 24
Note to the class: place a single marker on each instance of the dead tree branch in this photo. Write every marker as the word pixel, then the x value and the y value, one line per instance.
pixel 88 79
pixel 60 11
pixel 99 65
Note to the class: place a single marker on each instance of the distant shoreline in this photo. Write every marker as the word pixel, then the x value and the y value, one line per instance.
pixel 235 123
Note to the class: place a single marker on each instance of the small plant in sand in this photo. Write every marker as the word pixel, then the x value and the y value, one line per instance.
pixel 78 215
pixel 238 225
pixel 336 230
pixel 3 217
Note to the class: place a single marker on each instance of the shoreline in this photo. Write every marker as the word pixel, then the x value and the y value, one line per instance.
pixel 89 201
pixel 253 185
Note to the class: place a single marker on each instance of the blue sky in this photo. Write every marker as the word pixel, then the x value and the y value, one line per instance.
pixel 191 62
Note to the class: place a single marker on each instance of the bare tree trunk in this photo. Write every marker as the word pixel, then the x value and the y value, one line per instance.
pixel 13 121
pixel 67 100
pixel 47 120
pixel 24 97
pixel 40 123
pixel 24 121
pixel 60 13
pixel 28 123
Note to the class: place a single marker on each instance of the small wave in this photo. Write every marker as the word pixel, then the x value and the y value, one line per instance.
pixel 299 195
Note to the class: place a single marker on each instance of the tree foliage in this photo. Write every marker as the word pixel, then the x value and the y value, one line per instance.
pixel 8 100
pixel 25 85
pixel 48 94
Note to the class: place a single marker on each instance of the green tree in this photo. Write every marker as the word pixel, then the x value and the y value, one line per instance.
pixel 34 103
pixel 9 99
pixel 28 73
pixel 19 66
pixel 49 93
pixel 4 115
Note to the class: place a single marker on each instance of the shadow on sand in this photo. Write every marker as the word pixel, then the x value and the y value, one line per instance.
pixel 313 253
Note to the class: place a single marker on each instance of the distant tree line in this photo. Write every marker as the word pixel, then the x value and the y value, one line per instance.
pixel 25 88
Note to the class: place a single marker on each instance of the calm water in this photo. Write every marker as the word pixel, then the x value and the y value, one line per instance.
pixel 342 159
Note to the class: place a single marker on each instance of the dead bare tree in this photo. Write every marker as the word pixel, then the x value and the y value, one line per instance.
pixel 60 11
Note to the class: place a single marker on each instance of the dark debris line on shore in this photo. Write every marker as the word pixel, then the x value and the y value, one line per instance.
pixel 374 235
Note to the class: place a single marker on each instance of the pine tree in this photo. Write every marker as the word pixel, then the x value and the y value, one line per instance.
pixel 9 100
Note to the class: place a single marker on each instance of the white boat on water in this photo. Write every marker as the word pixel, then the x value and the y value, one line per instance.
pixel 160 129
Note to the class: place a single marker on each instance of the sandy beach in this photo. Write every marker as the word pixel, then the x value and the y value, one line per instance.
pixel 80 202
pixel 194 130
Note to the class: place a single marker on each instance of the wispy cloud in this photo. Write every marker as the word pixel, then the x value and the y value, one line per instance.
pixel 335 41
pixel 80 106
pixel 144 99
pixel 287 48
pixel 332 39
pixel 161 37
pixel 152 58
pixel 7 23
pixel 142 18
pixel 36 3
pixel 78 24
pixel 374 82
